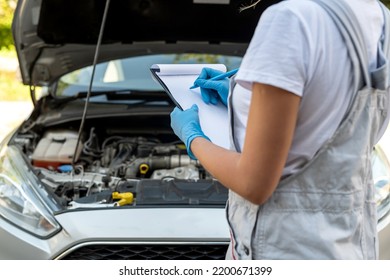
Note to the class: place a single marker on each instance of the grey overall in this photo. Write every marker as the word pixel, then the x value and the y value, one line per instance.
pixel 327 209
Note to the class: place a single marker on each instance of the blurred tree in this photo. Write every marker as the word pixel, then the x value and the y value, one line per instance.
pixel 7 8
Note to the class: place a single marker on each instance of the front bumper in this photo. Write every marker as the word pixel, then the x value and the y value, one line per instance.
pixel 177 232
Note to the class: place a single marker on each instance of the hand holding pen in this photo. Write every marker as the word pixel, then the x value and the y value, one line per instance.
pixel 214 85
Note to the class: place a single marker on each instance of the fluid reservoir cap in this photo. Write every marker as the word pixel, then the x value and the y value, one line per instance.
pixel 143 168
pixel 65 168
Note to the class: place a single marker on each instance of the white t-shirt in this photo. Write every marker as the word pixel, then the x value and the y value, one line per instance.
pixel 297 47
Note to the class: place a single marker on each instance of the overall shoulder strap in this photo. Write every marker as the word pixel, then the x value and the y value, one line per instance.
pixel 386 32
pixel 381 76
pixel 349 28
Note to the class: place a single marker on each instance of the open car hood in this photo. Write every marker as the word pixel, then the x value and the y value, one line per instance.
pixel 53 38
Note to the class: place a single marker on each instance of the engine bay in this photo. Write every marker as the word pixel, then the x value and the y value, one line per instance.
pixel 118 165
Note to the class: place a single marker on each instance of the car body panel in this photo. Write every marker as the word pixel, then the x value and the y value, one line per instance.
pixel 384 240
pixel 120 226
pixel 52 44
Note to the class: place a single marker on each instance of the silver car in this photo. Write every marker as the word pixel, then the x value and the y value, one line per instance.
pixel 95 172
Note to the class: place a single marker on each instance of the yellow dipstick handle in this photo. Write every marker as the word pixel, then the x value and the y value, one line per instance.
pixel 124 198
pixel 143 168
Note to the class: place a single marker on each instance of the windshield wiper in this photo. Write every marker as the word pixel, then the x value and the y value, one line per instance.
pixel 128 95
pixel 122 95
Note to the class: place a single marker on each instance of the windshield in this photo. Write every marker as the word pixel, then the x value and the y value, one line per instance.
pixel 131 73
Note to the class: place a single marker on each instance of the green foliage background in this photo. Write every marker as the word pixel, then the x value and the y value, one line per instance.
pixel 7 8
pixel 11 88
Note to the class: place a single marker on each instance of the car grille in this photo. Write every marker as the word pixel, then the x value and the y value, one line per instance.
pixel 148 252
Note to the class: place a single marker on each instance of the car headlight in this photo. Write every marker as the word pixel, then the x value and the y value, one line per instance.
pixel 19 202
pixel 381 175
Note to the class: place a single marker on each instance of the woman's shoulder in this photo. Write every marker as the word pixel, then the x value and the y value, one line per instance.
pixel 302 12
pixel 296 6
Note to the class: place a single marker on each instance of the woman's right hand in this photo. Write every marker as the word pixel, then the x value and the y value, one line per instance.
pixel 212 91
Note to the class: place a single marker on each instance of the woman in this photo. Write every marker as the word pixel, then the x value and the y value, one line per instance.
pixel 299 169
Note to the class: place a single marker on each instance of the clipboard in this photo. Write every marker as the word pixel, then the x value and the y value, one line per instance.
pixel 157 78
pixel 176 80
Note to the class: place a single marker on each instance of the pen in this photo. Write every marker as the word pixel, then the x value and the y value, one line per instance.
pixel 220 77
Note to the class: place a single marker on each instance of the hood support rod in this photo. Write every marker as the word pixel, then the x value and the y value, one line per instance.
pixel 99 42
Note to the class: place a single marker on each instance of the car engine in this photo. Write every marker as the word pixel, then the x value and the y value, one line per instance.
pixel 117 169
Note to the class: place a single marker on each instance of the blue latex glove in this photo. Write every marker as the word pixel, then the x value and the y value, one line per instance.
pixel 212 91
pixel 186 126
